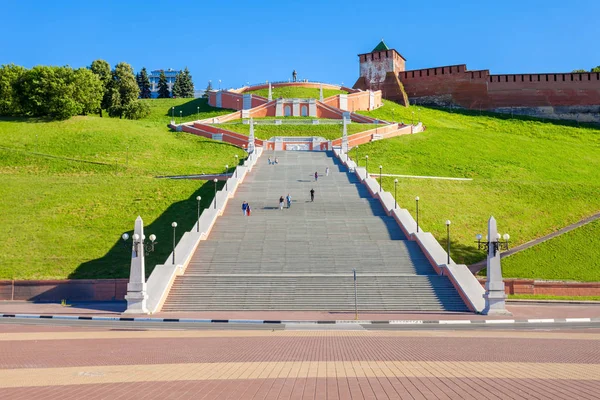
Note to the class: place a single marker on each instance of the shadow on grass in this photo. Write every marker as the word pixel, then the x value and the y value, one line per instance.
pixel 192 109
pixel 116 262
pixel 463 254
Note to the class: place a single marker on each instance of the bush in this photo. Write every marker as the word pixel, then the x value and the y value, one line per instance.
pixel 136 110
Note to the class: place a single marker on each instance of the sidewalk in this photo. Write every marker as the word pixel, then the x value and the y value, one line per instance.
pixel 519 311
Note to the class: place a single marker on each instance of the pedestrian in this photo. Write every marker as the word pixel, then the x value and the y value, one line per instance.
pixel 244 207
pixel 316 176
pixel 276 160
pixel 327 171
pixel 248 210
pixel 281 202
pixel 269 161
pixel 312 194
pixel 289 200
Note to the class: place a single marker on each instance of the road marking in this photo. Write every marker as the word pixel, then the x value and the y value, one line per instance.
pixel 578 319
pixel 499 321
pixel 541 320
pixel 456 321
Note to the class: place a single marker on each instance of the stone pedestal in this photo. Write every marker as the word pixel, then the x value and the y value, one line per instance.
pixel 136 288
pixel 495 297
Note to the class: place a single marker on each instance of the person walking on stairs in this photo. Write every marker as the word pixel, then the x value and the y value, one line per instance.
pixel 281 202
pixel 288 198
pixel 244 207
pixel 312 194
pixel 316 176
pixel 327 171
pixel 248 210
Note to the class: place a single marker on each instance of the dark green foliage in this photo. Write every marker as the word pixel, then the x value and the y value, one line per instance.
pixel 163 87
pixel 9 76
pixel 596 69
pixel 187 86
pixel 209 88
pixel 102 69
pixel 58 92
pixel 575 71
pixel 123 89
pixel 144 84
pixel 136 110
pixel 177 86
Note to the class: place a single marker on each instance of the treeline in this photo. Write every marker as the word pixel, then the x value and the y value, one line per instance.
pixel 595 69
pixel 63 92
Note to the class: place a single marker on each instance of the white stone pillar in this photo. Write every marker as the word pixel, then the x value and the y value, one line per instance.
pixel 344 137
pixel 136 288
pixel 321 92
pixel 495 297
pixel 251 137
pixel 270 93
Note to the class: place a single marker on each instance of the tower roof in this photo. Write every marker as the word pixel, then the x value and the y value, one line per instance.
pixel 380 47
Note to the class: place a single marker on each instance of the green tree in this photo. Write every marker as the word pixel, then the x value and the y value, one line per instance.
pixel 177 90
pixel 163 87
pixel 596 69
pixel 579 70
pixel 102 69
pixel 209 88
pixel 187 85
pixel 123 89
pixel 136 110
pixel 144 84
pixel 88 90
pixel 9 101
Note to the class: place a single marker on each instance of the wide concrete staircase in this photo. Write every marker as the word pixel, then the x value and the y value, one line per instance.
pixel 302 258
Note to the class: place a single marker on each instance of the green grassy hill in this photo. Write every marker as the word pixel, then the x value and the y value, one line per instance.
pixel 327 131
pixel 71 188
pixel 574 255
pixel 534 177
pixel 294 92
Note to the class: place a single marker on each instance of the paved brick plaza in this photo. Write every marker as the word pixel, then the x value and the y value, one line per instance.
pixel 97 363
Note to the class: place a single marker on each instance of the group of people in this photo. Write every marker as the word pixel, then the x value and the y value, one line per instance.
pixel 273 162
pixel 317 174
pixel 288 200
pixel 246 208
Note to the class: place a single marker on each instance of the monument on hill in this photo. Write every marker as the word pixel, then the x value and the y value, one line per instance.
pixel 495 297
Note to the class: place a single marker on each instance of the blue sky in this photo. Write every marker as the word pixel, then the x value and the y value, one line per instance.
pixel 239 40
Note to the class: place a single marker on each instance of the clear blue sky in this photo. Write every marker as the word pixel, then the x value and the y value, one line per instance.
pixel 236 42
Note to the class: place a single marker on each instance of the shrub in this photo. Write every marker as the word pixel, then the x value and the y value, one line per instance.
pixel 136 110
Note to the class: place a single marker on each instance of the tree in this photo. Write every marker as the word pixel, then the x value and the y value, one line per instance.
pixel 187 86
pixel 123 89
pixel 102 69
pixel 144 84
pixel 575 71
pixel 209 88
pixel 163 88
pixel 177 90
pixel 88 90
pixel 596 69
pixel 9 101
pixel 136 110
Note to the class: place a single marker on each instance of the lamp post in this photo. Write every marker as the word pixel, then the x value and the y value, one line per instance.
pixel 226 169
pixel 142 244
pixel 497 243
pixel 180 116
pixel 380 169
pixel 417 206
pixel 215 181
pixel 173 113
pixel 174 225
pixel 448 239
pixel 366 166
pixel 413 118
pixel 395 185
pixel 198 223
pixel 198 113
pixel 357 155
pixel 237 163
pixel 219 85
pixel 419 110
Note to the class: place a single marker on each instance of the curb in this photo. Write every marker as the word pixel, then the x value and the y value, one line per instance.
pixel 299 322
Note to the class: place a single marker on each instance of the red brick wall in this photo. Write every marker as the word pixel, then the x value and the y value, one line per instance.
pixel 57 290
pixel 529 286
pixel 474 89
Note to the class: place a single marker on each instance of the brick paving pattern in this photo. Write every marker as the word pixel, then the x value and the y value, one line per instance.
pixel 101 363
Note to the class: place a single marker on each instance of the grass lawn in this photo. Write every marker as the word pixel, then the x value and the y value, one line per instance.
pixel 295 92
pixel 162 110
pixel 548 297
pixel 327 131
pixel 71 188
pixel 534 177
pixel 574 255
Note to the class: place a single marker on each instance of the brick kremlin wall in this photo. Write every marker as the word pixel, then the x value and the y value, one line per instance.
pixel 560 95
